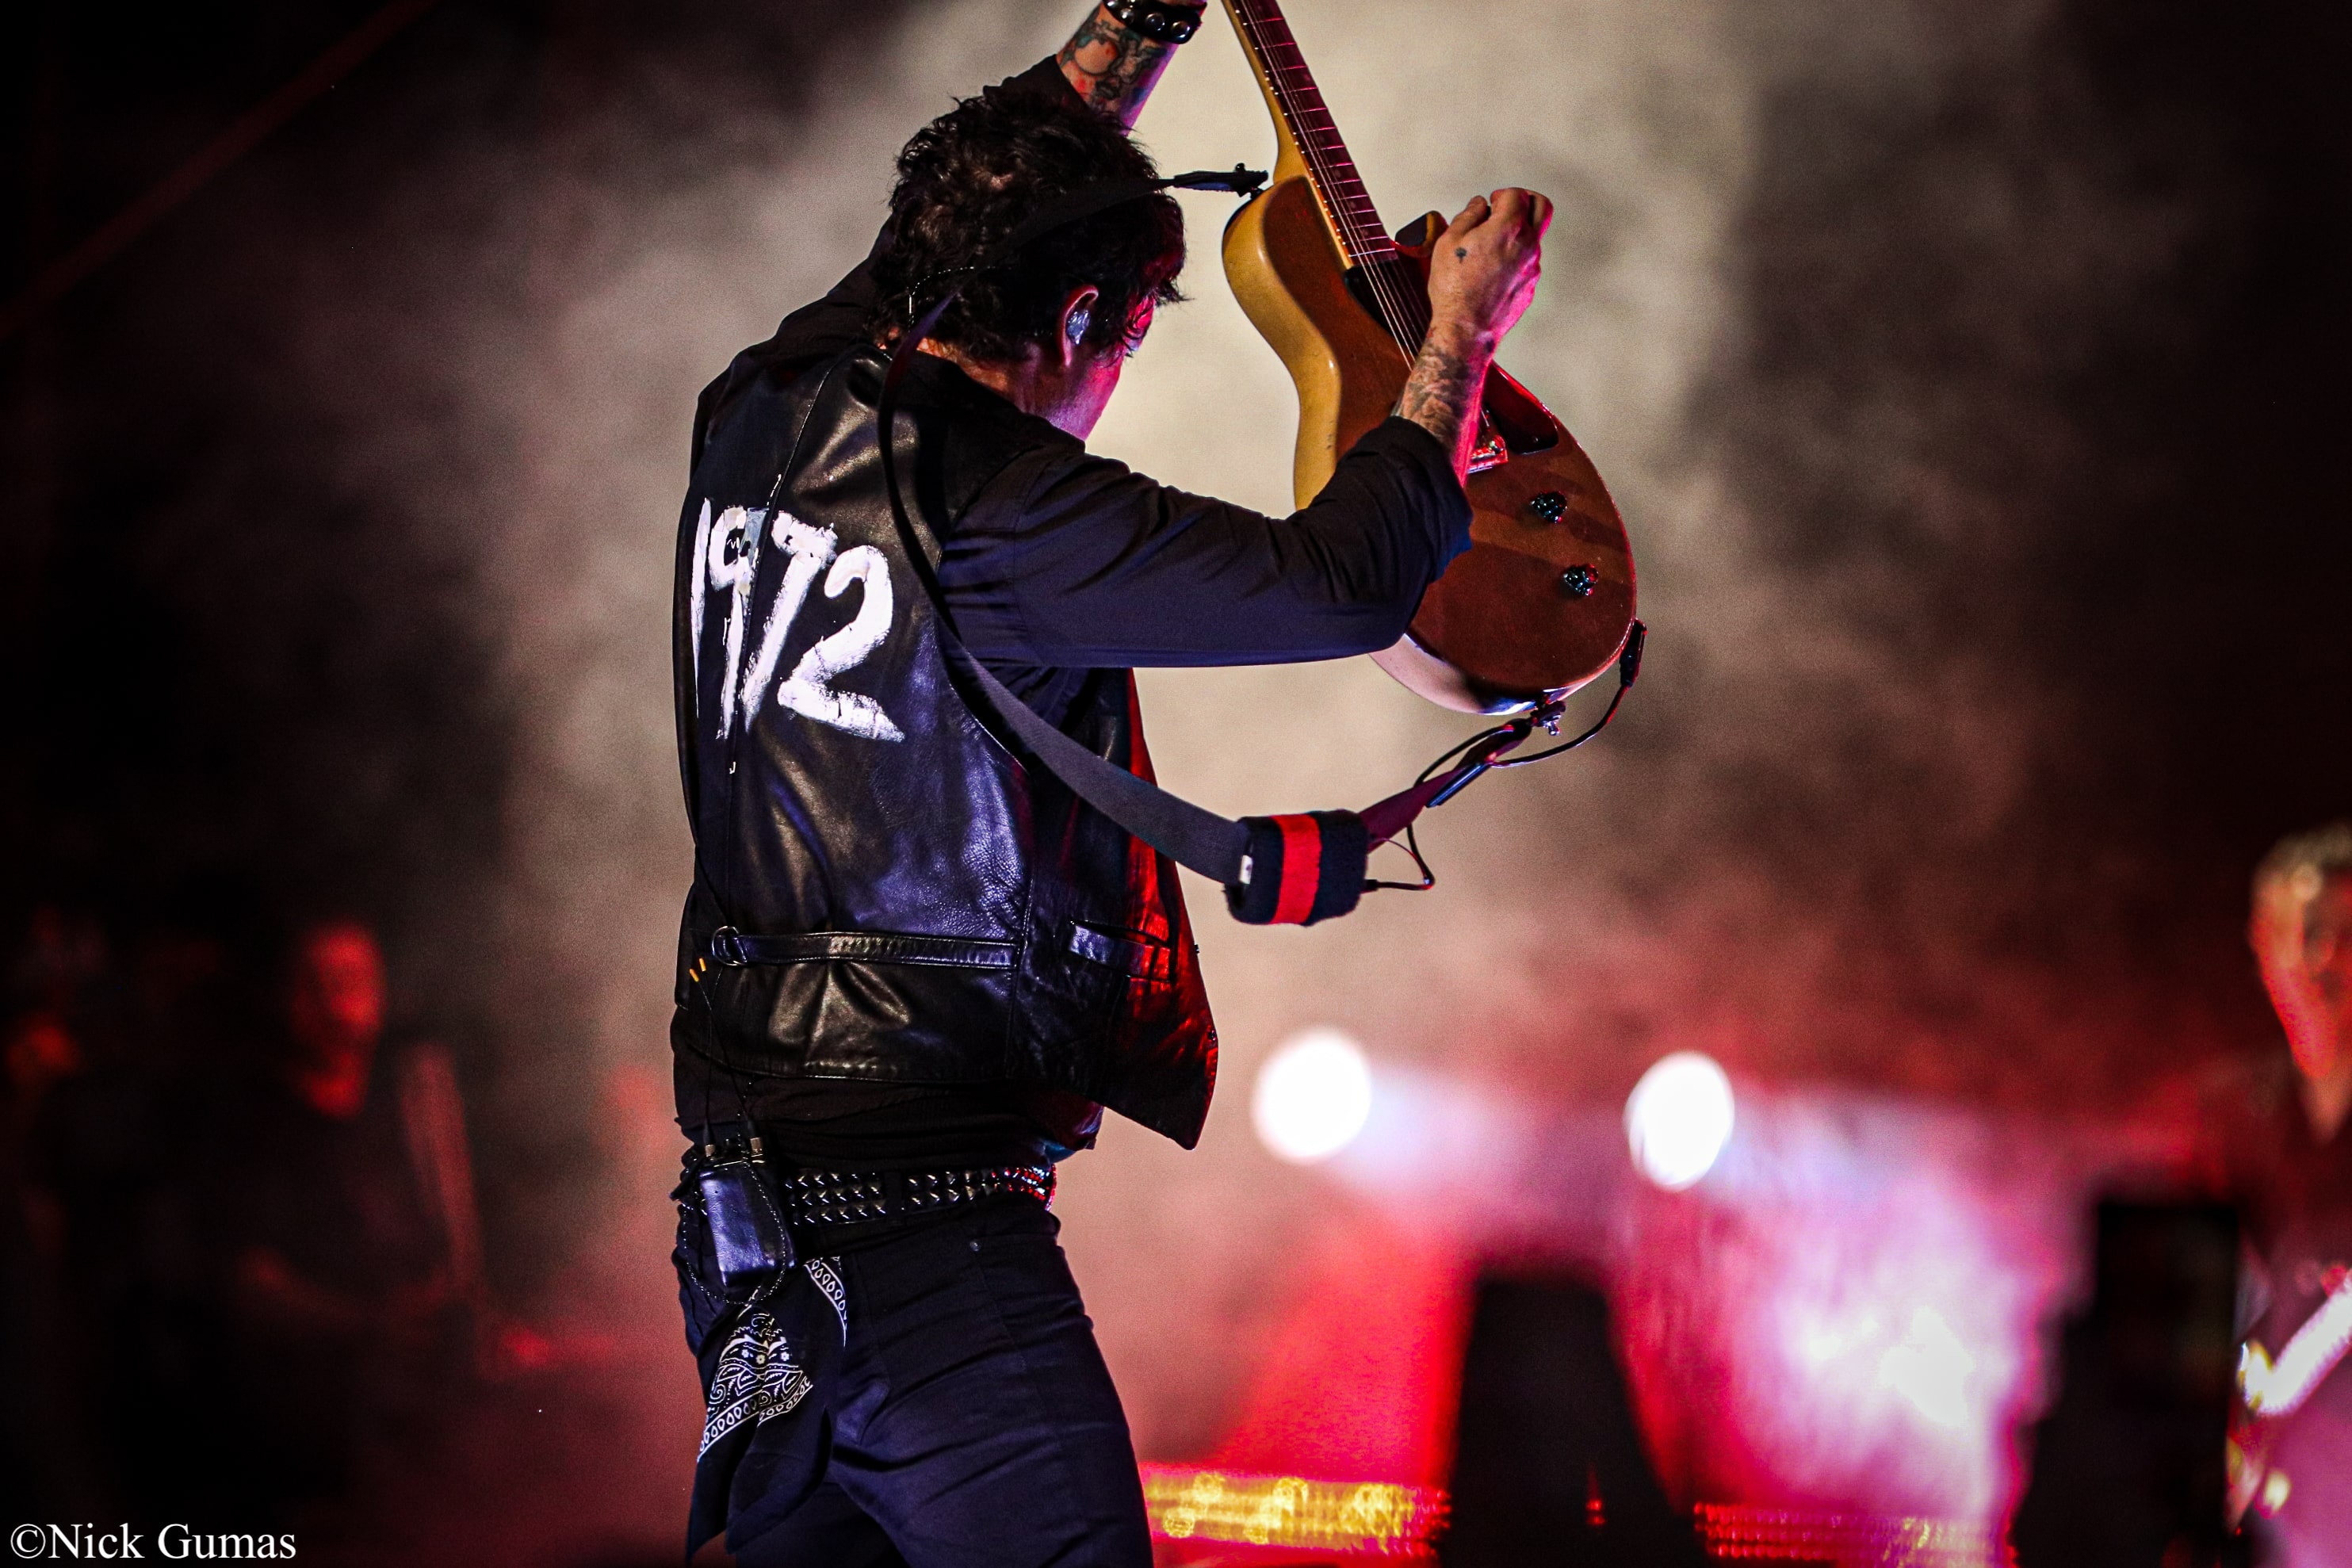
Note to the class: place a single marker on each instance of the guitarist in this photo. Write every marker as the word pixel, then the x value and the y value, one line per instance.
pixel 2284 1119
pixel 911 972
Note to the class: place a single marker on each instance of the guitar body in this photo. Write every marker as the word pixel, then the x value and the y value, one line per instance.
pixel 1543 601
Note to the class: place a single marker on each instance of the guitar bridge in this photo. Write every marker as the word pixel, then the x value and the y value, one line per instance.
pixel 1511 423
pixel 1492 451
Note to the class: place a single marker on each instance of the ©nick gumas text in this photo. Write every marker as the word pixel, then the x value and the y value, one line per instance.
pixel 121 1544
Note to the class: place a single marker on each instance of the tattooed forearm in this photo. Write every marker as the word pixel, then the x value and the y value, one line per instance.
pixel 1112 68
pixel 1442 394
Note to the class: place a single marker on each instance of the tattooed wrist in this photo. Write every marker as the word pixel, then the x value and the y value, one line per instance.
pixel 1113 67
pixel 1443 393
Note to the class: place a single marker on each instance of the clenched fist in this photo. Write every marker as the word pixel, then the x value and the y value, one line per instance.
pixel 1484 271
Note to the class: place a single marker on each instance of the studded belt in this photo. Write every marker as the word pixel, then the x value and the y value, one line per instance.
pixel 846 1197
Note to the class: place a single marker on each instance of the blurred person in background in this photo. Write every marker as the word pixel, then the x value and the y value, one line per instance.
pixel 2293 1174
pixel 342 1260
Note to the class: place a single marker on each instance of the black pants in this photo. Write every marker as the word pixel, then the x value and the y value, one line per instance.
pixel 967 1420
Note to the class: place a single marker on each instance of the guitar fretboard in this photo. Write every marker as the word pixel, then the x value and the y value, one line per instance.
pixel 1355 225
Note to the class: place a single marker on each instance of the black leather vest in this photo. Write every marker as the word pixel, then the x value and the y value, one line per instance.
pixel 969 920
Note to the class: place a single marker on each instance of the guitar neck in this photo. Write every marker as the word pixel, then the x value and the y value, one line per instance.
pixel 1310 141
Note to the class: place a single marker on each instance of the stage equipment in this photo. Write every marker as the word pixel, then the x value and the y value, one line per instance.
pixel 1367 1519
pixel 1548 1465
pixel 1678 1119
pixel 748 1232
pixel 1794 1537
pixel 2129 1465
pixel 1287 1514
pixel 1544 600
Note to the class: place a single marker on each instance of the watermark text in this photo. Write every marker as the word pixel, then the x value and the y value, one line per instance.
pixel 121 1544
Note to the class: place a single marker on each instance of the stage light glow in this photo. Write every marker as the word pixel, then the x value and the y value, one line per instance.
pixel 1312 1097
pixel 1368 1519
pixel 1678 1119
pixel 1730 1531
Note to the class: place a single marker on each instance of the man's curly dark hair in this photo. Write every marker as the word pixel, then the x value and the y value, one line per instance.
pixel 972 177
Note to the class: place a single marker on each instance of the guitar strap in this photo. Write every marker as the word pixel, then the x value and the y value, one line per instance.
pixel 1294 869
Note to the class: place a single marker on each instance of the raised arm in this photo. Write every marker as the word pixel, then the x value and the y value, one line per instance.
pixel 1075 561
pixel 1115 58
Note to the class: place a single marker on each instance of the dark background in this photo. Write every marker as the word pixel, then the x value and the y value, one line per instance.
pixel 245 688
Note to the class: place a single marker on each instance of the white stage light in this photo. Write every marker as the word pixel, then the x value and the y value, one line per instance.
pixel 1312 1097
pixel 1678 1119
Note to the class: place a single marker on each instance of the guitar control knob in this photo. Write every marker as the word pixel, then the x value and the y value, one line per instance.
pixel 1550 505
pixel 1578 582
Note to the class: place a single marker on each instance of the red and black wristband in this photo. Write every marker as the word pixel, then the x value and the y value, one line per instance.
pixel 1300 869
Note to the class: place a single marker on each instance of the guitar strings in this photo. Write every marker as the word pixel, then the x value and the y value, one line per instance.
pixel 1389 305
pixel 1406 326
pixel 1302 99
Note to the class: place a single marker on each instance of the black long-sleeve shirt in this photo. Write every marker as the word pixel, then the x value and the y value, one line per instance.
pixel 1066 562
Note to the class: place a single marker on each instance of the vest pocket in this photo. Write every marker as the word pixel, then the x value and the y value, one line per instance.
pixel 1137 957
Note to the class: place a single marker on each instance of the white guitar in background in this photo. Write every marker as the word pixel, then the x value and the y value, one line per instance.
pixel 2276 1389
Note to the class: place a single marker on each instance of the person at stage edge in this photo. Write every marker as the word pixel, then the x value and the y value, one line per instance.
pixel 911 970
pixel 2281 1118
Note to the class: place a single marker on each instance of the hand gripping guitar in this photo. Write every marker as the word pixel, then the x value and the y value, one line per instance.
pixel 1277 871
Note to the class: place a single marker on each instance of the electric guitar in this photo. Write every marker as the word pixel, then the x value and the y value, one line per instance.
pixel 2273 1391
pixel 1544 599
